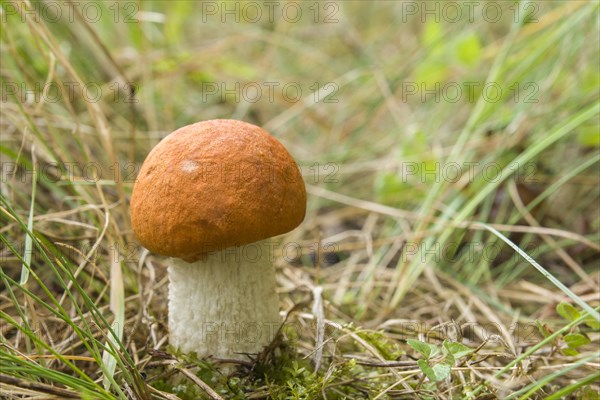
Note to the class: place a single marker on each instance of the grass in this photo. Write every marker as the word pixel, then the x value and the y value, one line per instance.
pixel 451 244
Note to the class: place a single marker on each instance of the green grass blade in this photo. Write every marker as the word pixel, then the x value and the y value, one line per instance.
pixel 574 386
pixel 533 349
pixel 117 306
pixel 556 282
pixel 530 389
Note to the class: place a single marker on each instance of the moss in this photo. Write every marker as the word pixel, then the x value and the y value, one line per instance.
pixel 284 375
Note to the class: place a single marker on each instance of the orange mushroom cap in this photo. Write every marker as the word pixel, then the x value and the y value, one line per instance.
pixel 213 185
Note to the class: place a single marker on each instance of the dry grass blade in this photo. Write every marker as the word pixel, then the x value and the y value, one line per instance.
pixel 29 237
pixel 319 313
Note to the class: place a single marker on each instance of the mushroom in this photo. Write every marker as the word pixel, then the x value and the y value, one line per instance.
pixel 209 195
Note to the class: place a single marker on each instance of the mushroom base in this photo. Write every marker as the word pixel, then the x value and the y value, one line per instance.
pixel 224 305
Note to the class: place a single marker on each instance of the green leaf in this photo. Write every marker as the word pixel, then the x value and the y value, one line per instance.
pixel 457 350
pixel 468 50
pixel 592 323
pixel 567 311
pixel 388 186
pixel 427 370
pixel 574 340
pixel 244 71
pixel 438 373
pixel 419 143
pixel 432 34
pixel 430 77
pixel 428 350
pixel 589 136
pixel 442 371
pixel 569 352
pixel 449 360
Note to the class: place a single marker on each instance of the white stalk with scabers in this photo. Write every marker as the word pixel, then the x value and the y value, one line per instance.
pixel 209 195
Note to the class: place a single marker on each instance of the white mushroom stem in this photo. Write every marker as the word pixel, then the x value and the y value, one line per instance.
pixel 224 305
